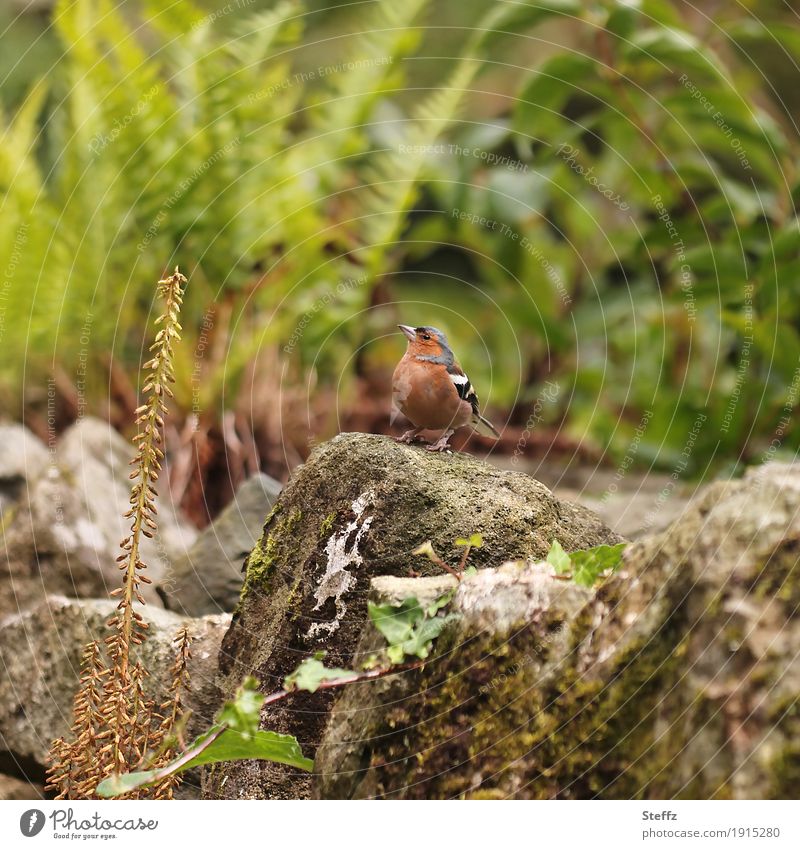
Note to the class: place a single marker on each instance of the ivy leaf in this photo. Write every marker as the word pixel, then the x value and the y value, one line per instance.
pixel 408 628
pixel 559 559
pixel 590 564
pixel 311 673
pixel 586 565
pixel 395 654
pixel 396 623
pixel 243 713
pixel 421 640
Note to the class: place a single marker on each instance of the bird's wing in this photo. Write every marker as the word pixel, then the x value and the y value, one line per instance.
pixel 463 386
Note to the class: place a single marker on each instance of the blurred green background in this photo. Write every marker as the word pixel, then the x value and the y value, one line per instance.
pixel 596 201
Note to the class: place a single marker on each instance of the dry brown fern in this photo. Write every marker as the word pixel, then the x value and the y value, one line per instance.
pixel 116 725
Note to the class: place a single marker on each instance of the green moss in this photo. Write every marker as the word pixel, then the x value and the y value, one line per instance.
pixel 327 525
pixel 273 546
pixel 784 717
pixel 785 769
pixel 779 577
pixel 537 732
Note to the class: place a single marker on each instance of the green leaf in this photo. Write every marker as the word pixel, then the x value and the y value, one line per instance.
pixel 396 623
pixel 228 745
pixel 522 15
pixel 673 49
pixel 590 564
pixel 395 654
pixel 559 559
pixel 243 713
pixel 539 105
pixel 421 640
pixel 234 737
pixel 474 541
pixel 408 628
pixel 311 673
pixel 586 565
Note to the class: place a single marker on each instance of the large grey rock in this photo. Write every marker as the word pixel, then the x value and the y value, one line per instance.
pixel 40 654
pixel 208 578
pixel 91 439
pixel 64 534
pixel 357 509
pixel 23 458
pixel 678 678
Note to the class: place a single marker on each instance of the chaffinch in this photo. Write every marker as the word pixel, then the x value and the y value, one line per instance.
pixel 431 390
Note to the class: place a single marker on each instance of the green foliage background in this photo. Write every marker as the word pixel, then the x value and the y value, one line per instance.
pixel 323 173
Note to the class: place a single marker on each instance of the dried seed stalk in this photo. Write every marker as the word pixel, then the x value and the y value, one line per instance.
pixel 115 723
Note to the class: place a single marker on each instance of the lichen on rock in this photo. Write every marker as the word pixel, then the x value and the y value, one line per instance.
pixel 342 551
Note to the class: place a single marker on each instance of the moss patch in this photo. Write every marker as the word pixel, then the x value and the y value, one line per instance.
pixel 779 577
pixel 274 546
pixel 327 525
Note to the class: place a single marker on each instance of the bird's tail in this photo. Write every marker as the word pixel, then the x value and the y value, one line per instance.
pixel 484 427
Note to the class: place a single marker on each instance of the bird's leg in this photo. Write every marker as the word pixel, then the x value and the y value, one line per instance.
pixel 441 443
pixel 409 436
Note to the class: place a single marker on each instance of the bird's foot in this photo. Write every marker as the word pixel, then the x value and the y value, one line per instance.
pixel 442 444
pixel 409 436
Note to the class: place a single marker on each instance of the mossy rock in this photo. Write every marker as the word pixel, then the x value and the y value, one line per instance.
pixel 355 510
pixel 679 677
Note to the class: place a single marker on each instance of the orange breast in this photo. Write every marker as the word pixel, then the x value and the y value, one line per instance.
pixel 427 397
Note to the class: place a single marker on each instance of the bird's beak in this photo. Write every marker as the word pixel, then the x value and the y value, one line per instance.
pixel 409 331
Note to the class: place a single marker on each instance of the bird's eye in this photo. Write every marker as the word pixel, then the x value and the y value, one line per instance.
pixel 426 337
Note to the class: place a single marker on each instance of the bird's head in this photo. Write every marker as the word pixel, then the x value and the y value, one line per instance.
pixel 427 342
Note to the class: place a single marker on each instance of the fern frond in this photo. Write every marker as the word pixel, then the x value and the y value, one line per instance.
pixel 393 178
pixel 260 32
pixel 19 173
pixel 370 61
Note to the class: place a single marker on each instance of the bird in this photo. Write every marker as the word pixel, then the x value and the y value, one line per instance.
pixel 430 389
